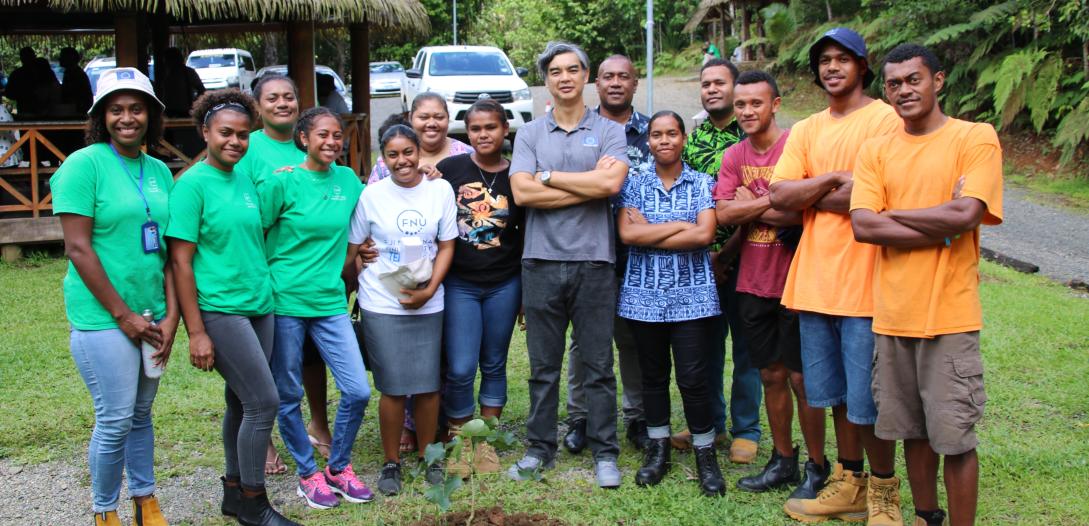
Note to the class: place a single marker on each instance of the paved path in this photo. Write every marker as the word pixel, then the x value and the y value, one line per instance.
pixel 1054 238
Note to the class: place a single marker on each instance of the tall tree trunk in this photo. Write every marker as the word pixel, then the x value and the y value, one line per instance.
pixel 761 50
pixel 746 34
pixel 272 53
pixel 828 9
pixel 1085 56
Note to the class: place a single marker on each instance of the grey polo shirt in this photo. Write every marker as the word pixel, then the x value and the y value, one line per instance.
pixel 582 232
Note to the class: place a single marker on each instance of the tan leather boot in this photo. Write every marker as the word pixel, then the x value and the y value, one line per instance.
pixel 743 451
pixel 844 498
pixel 146 513
pixel 107 518
pixel 883 501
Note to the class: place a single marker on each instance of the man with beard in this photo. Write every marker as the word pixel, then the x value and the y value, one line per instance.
pixel 703 152
pixel 921 194
pixel 616 84
pixel 772 330
pixel 830 282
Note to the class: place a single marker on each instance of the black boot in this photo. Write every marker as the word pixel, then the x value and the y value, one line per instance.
pixel 637 434
pixel 575 439
pixel 231 495
pixel 813 480
pixel 780 471
pixel 655 463
pixel 256 511
pixel 711 481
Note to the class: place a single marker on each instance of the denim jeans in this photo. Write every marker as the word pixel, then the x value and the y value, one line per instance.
pixel 582 294
pixel 478 323
pixel 336 342
pixel 123 439
pixel 837 360
pixel 684 343
pixel 746 389
pixel 631 378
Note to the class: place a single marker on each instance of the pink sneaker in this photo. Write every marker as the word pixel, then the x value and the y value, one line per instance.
pixel 347 485
pixel 317 492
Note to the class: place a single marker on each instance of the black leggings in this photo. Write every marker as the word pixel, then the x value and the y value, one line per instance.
pixel 690 342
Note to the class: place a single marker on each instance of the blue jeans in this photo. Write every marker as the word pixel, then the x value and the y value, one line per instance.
pixel 746 390
pixel 478 323
pixel 123 438
pixel 335 340
pixel 837 360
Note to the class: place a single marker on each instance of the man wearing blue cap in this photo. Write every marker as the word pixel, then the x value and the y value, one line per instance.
pixel 830 281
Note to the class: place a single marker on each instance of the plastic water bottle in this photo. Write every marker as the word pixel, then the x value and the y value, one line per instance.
pixel 151 370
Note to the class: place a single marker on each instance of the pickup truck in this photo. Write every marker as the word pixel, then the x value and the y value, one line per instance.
pixel 464 74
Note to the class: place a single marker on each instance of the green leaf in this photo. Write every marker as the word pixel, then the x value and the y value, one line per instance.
pixel 434 453
pixel 1072 131
pixel 1043 91
pixel 948 33
pixel 475 428
pixel 1011 83
pixel 492 421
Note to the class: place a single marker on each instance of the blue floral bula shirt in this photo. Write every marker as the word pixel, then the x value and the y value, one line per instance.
pixel 667 285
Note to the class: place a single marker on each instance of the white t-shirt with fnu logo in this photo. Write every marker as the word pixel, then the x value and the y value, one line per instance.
pixel 388 214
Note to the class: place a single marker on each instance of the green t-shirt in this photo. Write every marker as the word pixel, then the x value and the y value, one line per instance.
pixel 265 155
pixel 219 212
pixel 307 215
pixel 91 182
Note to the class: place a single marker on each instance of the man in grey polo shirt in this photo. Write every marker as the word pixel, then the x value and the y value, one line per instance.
pixel 566 166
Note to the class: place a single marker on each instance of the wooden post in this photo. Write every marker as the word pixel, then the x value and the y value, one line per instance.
pixel 126 37
pixel 160 40
pixel 361 84
pixel 746 32
pixel 300 62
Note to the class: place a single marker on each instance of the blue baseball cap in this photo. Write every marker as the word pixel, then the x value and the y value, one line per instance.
pixel 849 40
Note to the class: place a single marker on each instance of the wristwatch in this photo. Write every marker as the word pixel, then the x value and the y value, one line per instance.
pixel 546 177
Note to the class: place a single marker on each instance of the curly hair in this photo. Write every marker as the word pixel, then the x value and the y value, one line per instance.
pixel 96 130
pixel 212 102
pixel 306 123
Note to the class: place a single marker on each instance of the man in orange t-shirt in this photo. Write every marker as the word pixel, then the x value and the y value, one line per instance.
pixel 921 194
pixel 830 281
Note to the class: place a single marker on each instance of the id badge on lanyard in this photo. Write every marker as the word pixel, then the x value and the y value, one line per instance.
pixel 149 231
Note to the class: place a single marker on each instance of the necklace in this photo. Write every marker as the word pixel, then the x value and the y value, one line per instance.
pixel 486 183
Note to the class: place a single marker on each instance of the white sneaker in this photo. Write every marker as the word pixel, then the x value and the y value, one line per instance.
pixel 607 474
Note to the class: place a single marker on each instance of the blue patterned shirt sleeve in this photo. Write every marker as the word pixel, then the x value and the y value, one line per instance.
pixel 629 193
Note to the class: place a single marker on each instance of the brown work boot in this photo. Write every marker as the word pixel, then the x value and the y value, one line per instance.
pixel 743 451
pixel 843 497
pixel 682 440
pixel 485 460
pixel 107 518
pixel 146 512
pixel 883 501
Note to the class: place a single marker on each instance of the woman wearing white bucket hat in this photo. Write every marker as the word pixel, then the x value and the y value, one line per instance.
pixel 112 201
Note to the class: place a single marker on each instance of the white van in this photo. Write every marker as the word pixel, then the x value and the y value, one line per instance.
pixel 223 68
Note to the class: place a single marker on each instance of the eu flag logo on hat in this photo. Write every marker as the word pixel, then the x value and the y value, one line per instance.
pixel 124 74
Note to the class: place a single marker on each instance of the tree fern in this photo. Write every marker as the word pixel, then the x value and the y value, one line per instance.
pixel 1072 131
pixel 1043 89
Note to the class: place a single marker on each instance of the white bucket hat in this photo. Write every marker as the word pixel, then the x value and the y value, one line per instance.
pixel 118 79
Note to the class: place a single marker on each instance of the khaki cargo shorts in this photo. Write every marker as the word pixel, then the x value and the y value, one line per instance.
pixel 929 389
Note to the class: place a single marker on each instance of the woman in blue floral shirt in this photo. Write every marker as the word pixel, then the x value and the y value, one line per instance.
pixel 667 218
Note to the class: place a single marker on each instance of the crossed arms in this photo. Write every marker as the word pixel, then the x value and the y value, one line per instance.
pixel 569 188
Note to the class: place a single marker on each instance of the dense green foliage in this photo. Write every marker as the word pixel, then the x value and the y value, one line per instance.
pixel 1018 63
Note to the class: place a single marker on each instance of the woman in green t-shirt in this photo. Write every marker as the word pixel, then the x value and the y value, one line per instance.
pixel 305 209
pixel 217 252
pixel 112 202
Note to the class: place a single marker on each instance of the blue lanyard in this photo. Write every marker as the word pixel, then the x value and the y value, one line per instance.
pixel 140 185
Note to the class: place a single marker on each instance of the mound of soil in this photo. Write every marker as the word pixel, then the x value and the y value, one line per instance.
pixel 494 516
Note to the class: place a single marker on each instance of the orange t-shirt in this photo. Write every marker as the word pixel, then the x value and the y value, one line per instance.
pixel 929 291
pixel 831 272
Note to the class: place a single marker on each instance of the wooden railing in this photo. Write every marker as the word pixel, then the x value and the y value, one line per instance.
pixel 32 134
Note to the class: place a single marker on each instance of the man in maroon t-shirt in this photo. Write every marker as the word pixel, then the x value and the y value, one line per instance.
pixel 742 199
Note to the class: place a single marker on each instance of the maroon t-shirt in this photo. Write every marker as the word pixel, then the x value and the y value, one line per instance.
pixel 765 260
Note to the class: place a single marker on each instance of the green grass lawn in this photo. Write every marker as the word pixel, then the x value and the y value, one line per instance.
pixel 1034 451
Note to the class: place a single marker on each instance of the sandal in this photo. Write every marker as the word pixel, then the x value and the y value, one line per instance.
pixel 408 440
pixel 324 449
pixel 275 466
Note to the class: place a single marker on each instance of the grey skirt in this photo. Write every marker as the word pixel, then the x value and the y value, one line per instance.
pixel 403 351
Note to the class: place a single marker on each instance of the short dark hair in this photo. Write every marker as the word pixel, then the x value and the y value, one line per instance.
pixel 487 106
pixel 667 114
pixel 757 76
pixel 306 123
pixel 715 62
pixel 209 100
pixel 259 84
pixel 906 52
pixel 96 131
pixel 428 95
pixel 397 130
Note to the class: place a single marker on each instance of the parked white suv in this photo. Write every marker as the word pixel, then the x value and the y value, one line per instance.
pixel 464 74
pixel 223 68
